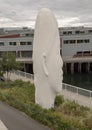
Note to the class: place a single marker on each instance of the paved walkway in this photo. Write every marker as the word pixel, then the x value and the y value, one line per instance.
pixel 20 75
pixel 82 100
pixel 12 119
pixel 2 126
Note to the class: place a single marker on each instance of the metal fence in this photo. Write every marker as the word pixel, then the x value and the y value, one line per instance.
pixel 65 87
pixel 23 75
pixel 77 90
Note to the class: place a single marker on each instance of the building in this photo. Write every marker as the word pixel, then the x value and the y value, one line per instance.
pixel 77 48
pixel 75 42
pixel 18 41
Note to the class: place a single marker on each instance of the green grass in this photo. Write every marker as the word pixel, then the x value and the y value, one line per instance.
pixel 65 115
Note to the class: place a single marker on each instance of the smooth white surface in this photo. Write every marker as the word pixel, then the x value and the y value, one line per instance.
pixel 2 126
pixel 47 62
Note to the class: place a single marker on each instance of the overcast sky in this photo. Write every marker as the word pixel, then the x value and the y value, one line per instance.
pixel 67 12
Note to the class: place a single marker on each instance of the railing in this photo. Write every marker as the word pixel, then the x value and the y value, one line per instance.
pixel 65 87
pixel 23 75
pixel 77 90
pixel 24 59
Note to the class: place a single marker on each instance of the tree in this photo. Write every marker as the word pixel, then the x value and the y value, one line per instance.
pixel 8 63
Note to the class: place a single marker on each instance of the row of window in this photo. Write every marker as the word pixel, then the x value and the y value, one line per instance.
pixel 20 54
pixel 14 43
pixel 76 32
pixel 76 41
pixel 70 32
pixel 25 43
pixel 83 53
pixel 20 43
pixel 27 35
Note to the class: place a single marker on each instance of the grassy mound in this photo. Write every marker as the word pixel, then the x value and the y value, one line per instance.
pixel 65 115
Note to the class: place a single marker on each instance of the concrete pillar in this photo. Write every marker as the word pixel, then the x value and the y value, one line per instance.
pixel 79 68
pixel 24 67
pixel 20 54
pixel 72 68
pixel 65 68
pixel 88 67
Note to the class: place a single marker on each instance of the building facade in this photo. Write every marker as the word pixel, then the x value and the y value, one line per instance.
pixel 19 41
pixel 77 49
pixel 75 42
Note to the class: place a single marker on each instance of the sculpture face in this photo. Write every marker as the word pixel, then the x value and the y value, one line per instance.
pixel 56 73
pixel 47 62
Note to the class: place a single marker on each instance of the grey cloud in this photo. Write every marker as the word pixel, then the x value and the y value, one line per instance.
pixel 26 10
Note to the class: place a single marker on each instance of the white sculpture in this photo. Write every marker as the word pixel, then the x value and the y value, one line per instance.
pixel 47 62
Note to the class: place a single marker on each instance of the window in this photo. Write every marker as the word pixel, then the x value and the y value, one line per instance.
pixel 29 35
pixel 66 41
pixel 26 54
pixel 25 43
pixel 72 41
pixel 26 34
pixel 69 41
pixel 77 32
pixel 86 40
pixel 80 52
pixel 83 41
pixel 81 32
pixel 80 41
pixel 1 43
pixel 90 31
pixel 64 33
pixel 29 43
pixel 22 35
pixel 70 32
pixel 12 43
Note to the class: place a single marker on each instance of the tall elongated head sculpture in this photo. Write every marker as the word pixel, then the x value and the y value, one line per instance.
pixel 47 62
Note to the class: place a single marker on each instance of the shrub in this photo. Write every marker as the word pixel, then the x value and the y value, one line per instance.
pixel 88 123
pixel 58 100
pixel 72 108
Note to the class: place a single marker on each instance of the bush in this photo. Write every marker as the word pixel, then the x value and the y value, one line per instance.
pixel 72 109
pixel 58 100
pixel 88 123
